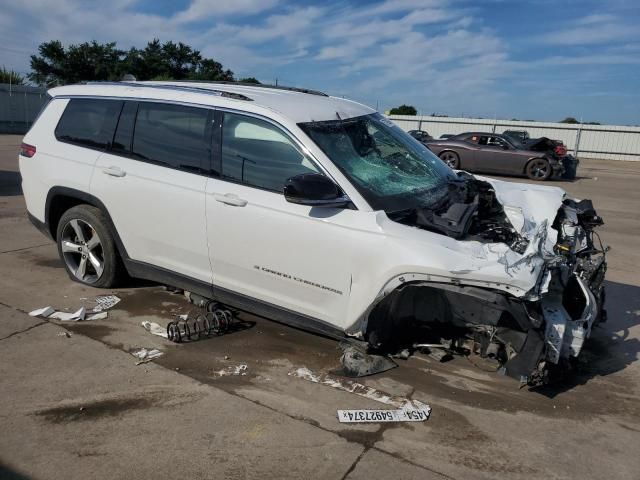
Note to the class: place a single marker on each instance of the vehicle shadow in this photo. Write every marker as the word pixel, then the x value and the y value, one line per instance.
pixel 611 348
pixel 10 183
pixel 7 473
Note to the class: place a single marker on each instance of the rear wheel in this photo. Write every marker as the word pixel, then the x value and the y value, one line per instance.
pixel 538 169
pixel 451 159
pixel 86 247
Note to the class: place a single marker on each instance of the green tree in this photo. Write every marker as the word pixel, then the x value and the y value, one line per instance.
pixel 209 69
pixel 9 76
pixel 250 80
pixel 403 110
pixel 55 65
pixel 85 61
pixel 569 120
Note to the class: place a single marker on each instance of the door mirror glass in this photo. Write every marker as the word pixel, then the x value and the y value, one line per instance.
pixel 315 190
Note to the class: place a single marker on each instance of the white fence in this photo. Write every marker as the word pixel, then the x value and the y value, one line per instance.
pixel 593 141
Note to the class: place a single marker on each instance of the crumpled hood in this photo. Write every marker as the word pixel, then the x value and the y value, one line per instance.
pixel 531 209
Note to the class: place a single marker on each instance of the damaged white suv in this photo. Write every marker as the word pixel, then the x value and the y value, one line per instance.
pixel 313 211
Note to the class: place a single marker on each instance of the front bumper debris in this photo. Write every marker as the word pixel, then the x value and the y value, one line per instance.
pixel 564 335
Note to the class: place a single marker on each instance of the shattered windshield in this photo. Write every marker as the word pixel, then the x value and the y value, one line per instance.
pixel 390 169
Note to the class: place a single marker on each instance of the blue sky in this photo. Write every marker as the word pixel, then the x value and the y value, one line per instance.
pixel 540 60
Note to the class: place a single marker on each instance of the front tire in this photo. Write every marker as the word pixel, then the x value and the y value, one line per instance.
pixel 451 159
pixel 86 247
pixel 538 169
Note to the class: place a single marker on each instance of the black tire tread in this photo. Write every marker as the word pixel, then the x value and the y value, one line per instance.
pixel 113 271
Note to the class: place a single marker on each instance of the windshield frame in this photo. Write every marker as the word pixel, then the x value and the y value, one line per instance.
pixel 416 152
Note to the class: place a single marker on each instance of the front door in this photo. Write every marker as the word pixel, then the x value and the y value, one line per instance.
pixel 262 247
pixel 496 155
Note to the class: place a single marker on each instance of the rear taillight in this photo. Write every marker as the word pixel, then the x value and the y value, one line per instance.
pixel 27 150
pixel 560 150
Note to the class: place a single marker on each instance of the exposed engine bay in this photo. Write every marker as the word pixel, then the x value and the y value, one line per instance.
pixel 534 337
pixel 470 211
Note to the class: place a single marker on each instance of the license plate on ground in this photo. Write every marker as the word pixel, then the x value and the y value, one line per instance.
pixel 376 416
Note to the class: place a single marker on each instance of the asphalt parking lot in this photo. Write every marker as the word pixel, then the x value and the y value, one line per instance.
pixel 77 405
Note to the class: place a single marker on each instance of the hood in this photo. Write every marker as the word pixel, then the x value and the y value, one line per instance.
pixel 499 233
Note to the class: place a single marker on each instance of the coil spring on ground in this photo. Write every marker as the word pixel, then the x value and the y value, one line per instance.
pixel 196 324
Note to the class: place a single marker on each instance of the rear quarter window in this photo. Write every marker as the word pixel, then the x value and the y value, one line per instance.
pixel 89 122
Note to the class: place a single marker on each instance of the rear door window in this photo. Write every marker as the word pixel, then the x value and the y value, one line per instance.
pixel 173 136
pixel 89 122
pixel 258 154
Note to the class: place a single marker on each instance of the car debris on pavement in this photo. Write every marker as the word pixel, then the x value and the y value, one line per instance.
pixel 105 302
pixel 154 328
pixel 70 317
pixel 42 312
pixel 146 355
pixel 240 369
pixel 350 386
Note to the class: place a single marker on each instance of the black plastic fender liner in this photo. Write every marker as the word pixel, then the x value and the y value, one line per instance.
pixel 522 365
pixel 443 303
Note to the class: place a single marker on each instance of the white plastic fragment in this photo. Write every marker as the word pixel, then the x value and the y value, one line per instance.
pixel 42 312
pixel 144 355
pixel 362 390
pixel 233 370
pixel 105 302
pixel 97 316
pixel 70 317
pixel 154 328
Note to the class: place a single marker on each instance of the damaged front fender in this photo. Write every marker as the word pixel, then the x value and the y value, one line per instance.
pixel 534 317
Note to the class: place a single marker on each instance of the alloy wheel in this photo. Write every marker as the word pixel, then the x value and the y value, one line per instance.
pixel 539 169
pixel 450 159
pixel 82 250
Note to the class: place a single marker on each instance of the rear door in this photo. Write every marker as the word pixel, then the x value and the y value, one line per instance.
pixel 295 257
pixel 152 181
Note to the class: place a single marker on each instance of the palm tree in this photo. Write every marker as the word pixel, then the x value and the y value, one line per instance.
pixel 9 76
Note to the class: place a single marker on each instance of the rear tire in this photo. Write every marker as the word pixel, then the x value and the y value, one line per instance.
pixel 538 169
pixel 452 159
pixel 87 249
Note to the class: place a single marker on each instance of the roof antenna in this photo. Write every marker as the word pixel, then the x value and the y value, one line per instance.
pixel 338 115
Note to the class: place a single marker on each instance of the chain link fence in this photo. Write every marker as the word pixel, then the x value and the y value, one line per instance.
pixel 19 107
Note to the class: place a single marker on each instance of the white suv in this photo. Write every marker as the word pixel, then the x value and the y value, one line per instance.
pixel 314 211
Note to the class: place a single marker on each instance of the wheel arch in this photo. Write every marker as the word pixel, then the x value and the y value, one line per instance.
pixel 61 199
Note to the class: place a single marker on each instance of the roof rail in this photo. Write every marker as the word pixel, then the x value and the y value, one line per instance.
pixel 210 91
pixel 257 85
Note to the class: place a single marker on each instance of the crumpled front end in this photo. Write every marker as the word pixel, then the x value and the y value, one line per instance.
pixel 531 323
pixel 573 298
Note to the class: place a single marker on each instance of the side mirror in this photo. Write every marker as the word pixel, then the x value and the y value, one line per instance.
pixel 315 190
pixel 505 146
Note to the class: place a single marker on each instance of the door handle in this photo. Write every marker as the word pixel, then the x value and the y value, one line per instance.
pixel 230 199
pixel 114 171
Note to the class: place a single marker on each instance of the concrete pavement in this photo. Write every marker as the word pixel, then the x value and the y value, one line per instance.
pixel 79 407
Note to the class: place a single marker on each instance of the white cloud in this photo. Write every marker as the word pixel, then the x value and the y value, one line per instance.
pixel 200 10
pixel 594 29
